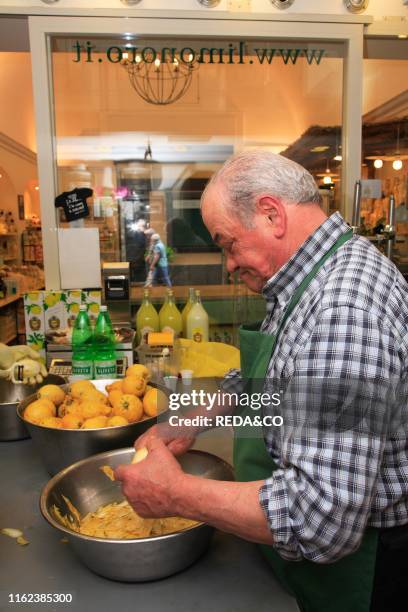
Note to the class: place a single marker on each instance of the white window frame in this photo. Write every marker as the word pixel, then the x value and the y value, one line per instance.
pixel 245 27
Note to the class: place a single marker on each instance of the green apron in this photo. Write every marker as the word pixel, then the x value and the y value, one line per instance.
pixel 343 586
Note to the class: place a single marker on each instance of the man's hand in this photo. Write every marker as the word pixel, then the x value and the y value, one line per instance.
pixel 157 487
pixel 177 440
pixel 152 485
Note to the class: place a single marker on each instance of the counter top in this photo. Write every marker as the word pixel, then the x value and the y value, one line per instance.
pixel 231 577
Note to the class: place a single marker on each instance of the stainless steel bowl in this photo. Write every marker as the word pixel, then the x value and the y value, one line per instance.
pixel 135 560
pixel 60 448
pixel 11 427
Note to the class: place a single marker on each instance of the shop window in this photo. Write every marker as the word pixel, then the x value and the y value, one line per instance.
pixel 146 139
pixel 385 141
pixel 21 253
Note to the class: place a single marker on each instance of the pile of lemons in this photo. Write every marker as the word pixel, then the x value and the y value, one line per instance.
pixel 128 400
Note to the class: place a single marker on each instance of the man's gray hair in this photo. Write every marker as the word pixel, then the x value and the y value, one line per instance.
pixel 252 173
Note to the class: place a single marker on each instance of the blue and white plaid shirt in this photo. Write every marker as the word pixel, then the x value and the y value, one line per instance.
pixel 351 324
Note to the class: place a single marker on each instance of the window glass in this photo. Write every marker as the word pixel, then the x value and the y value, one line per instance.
pixel 385 141
pixel 145 124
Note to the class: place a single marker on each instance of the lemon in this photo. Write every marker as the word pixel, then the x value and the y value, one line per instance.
pixel 79 387
pixel 51 421
pixel 35 309
pixel 129 407
pixel 52 392
pixel 49 300
pixel 74 308
pixel 154 402
pixel 94 308
pixel 39 410
pixel 117 421
pixel 139 370
pixel 134 385
pixel 72 421
pixel 96 423
pixel 34 296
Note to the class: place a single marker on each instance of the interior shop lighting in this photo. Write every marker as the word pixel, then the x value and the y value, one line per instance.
pixel 159 79
pixel 378 163
pixel 338 157
pixel 397 163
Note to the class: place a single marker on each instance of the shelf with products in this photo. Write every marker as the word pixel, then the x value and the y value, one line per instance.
pixel 8 248
pixel 31 241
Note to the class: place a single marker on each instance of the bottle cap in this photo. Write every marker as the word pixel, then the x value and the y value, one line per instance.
pixel 103 308
pixel 83 307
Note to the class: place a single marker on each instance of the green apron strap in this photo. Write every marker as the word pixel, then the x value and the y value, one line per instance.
pixel 308 279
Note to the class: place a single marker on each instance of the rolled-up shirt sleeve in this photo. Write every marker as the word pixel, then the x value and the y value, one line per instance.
pixel 317 502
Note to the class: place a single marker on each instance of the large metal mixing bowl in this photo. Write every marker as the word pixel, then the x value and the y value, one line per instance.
pixel 135 560
pixel 11 427
pixel 60 448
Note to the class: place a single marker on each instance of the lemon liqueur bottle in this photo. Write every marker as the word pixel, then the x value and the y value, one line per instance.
pixel 170 317
pixel 197 321
pixel 147 319
pixel 186 310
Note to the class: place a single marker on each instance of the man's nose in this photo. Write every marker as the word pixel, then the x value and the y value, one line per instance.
pixel 231 264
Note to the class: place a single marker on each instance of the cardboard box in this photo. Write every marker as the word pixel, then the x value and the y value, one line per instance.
pixel 93 301
pixel 55 311
pixel 34 318
pixel 72 304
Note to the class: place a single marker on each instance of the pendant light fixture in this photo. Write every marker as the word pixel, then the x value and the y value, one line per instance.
pixel 282 4
pixel 356 6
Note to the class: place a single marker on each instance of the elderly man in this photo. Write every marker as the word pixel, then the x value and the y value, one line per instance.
pixel 329 505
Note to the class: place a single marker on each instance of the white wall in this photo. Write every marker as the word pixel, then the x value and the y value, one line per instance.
pixel 16 98
pixel 376 8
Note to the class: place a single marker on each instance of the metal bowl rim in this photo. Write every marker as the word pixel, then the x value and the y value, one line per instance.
pixel 50 519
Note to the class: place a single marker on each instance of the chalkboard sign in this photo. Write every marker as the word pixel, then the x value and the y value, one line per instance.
pixel 74 203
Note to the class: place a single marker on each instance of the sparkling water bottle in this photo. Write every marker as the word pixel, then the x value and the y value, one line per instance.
pixel 104 346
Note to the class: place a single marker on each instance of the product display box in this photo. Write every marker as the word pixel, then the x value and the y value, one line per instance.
pixel 34 318
pixel 92 299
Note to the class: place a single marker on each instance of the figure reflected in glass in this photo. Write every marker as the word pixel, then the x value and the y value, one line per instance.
pixel 157 262
pixel 136 243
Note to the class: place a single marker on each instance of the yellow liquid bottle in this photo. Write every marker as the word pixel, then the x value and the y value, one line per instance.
pixel 186 310
pixel 147 319
pixel 197 321
pixel 170 316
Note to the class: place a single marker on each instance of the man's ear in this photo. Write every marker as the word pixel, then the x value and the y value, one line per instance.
pixel 274 212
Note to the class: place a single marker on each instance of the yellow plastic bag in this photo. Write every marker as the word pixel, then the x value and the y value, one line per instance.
pixel 206 359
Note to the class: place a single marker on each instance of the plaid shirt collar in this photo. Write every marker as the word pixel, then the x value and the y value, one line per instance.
pixel 281 286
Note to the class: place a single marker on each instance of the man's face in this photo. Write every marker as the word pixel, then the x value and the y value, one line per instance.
pixel 248 251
